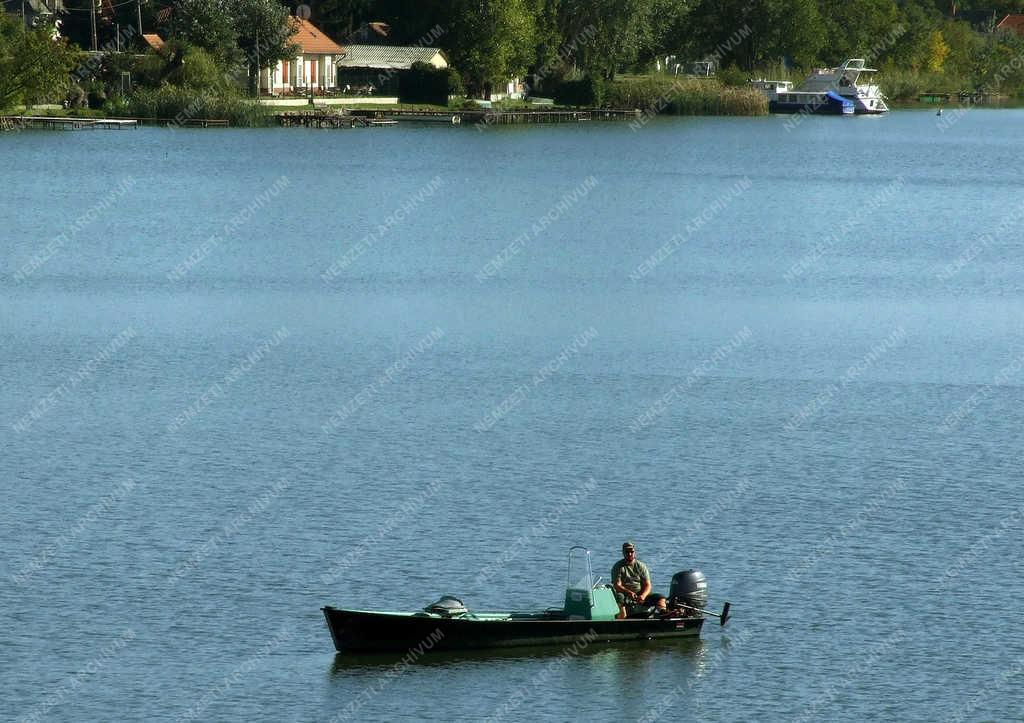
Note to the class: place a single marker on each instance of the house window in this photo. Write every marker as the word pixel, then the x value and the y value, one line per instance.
pixel 284 72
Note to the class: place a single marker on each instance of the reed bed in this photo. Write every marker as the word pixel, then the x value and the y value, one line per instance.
pixel 181 105
pixel 684 96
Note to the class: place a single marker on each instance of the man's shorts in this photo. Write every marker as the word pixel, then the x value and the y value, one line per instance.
pixel 621 599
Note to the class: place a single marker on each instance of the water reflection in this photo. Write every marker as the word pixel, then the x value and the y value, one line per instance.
pixel 631 660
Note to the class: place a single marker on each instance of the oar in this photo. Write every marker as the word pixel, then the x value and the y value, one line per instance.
pixel 721 618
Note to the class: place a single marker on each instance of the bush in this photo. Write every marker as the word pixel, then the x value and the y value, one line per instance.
pixel 733 77
pixel 96 95
pixel 587 91
pixel 424 83
pixel 198 70
pixel 76 97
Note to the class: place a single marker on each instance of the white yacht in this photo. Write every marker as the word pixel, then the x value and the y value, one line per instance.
pixel 835 91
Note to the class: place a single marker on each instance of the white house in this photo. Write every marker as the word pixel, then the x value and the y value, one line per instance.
pixel 314 66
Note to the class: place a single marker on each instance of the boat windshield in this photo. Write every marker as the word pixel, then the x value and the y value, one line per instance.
pixel 580 576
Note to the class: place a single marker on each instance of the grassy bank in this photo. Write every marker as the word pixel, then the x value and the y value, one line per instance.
pixel 683 96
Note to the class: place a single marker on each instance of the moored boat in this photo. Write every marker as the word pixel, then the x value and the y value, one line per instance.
pixel 588 613
pixel 827 91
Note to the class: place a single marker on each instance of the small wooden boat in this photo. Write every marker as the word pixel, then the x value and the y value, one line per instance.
pixel 589 613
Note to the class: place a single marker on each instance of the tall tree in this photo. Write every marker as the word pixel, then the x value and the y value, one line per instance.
pixel 855 27
pixel 34 66
pixel 264 32
pixel 757 32
pixel 490 41
pixel 620 29
pixel 207 24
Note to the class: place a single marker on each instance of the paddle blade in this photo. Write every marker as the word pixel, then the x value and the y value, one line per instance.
pixel 725 614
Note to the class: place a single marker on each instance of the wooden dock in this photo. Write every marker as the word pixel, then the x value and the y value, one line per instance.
pixel 21 122
pixel 496 117
pixel 965 97
pixel 325 119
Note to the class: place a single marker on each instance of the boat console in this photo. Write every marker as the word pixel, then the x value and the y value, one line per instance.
pixel 585 600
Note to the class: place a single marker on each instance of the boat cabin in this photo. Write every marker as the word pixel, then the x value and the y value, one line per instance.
pixel 772 88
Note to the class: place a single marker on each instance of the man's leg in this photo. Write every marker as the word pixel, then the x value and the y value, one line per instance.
pixel 621 600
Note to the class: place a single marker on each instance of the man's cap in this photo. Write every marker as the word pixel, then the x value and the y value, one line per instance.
pixel 628 546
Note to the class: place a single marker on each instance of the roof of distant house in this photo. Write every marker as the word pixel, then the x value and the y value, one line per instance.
pixel 388 56
pixel 154 41
pixel 312 39
pixel 1014 22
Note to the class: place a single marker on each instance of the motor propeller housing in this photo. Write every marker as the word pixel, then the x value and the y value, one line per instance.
pixel 690 588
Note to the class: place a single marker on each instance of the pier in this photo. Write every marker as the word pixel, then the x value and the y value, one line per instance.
pixel 19 122
pixel 367 117
pixel 498 117
pixel 327 119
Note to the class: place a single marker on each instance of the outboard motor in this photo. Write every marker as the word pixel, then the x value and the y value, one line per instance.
pixel 448 606
pixel 689 588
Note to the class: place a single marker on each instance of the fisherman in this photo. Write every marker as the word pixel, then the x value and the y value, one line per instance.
pixel 631 580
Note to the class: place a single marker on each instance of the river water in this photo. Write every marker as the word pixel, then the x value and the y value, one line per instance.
pixel 250 373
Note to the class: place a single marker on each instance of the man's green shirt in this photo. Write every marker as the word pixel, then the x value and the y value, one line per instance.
pixel 631 575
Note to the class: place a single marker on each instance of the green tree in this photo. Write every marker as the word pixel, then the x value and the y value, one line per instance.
pixel 229 31
pixel 962 42
pixel 856 26
pixel 207 24
pixel 265 29
pixel 753 33
pixel 490 41
pixel 620 30
pixel 34 67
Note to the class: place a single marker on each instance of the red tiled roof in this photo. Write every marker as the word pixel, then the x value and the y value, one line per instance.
pixel 154 41
pixel 311 39
pixel 1012 22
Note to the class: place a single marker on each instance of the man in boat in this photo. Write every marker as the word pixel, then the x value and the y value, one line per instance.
pixel 631 580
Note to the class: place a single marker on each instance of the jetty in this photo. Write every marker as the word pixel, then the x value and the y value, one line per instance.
pixel 368 117
pixel 327 119
pixel 966 97
pixel 489 116
pixel 20 122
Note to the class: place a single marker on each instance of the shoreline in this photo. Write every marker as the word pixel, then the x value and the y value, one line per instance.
pixel 362 115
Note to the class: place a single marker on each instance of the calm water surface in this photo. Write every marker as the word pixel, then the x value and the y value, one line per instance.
pixel 249 373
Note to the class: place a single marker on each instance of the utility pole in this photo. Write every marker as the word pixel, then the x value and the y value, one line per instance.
pixel 92 18
pixel 138 10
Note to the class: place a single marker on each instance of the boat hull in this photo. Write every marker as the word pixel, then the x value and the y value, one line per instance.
pixel 779 107
pixel 776 106
pixel 362 631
